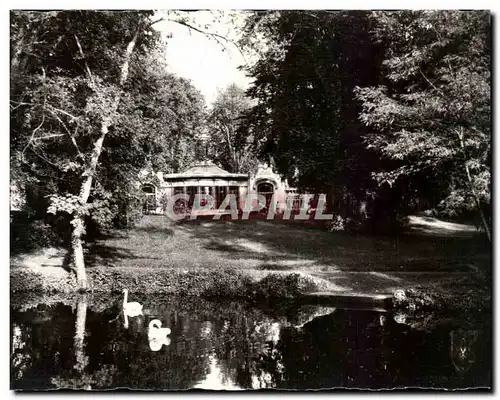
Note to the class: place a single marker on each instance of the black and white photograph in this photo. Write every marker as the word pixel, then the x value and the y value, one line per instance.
pixel 245 199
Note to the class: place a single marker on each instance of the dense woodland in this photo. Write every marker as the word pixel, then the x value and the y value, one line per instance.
pixel 384 111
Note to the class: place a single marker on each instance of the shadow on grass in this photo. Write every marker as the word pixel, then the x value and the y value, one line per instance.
pixel 151 229
pixel 259 244
pixel 258 239
pixel 109 256
pixel 276 267
pixel 218 246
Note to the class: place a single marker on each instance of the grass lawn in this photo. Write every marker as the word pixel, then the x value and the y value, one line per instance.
pixel 352 263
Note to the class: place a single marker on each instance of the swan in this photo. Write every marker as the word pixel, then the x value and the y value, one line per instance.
pixel 155 329
pixel 132 309
pixel 157 335
pixel 157 344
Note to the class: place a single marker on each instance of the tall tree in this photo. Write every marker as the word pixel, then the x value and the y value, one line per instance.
pixel 164 111
pixel 76 72
pixel 159 116
pixel 231 143
pixel 306 114
pixel 432 116
pixel 91 105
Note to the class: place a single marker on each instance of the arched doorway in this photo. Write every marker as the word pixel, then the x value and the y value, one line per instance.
pixel 149 191
pixel 266 188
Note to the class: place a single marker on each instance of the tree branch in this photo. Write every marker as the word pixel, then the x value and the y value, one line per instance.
pixel 64 112
pixel 73 140
pixel 19 104
pixel 84 60
pixel 432 84
pixel 32 136
pixel 155 22
pixel 49 136
pixel 45 159
pixel 213 35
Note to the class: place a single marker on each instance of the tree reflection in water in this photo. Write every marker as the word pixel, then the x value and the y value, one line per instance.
pixel 462 350
pixel 79 347
pixel 228 345
pixel 20 358
pixel 78 377
pixel 216 379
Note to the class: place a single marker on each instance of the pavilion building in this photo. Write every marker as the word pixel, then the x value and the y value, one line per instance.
pixel 207 178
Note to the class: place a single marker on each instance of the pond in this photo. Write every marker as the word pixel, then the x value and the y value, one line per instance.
pixel 88 343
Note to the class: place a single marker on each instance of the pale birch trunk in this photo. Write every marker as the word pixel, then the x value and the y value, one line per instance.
pixel 471 185
pixel 79 338
pixel 478 205
pixel 81 360
pixel 85 189
pixel 230 148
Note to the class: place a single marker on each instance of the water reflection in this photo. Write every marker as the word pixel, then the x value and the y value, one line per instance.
pixel 19 355
pixel 81 317
pixel 216 379
pixel 158 336
pixel 81 360
pixel 230 346
pixel 462 349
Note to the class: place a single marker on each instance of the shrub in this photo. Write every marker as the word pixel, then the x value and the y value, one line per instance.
pixel 26 235
pixel 286 286
pixel 337 224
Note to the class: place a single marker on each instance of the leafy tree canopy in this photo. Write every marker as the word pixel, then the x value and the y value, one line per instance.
pixel 231 141
pixel 306 115
pixel 432 115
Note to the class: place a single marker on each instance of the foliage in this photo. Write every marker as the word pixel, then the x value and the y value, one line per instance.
pixel 337 224
pixel 230 141
pixel 306 115
pixel 431 117
pixel 64 69
pixel 64 81
pixel 419 80
pixel 163 114
pixel 287 286
pixel 27 235
pixel 223 283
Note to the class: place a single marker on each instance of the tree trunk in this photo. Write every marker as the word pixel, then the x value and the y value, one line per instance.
pixel 232 156
pixel 471 184
pixel 77 250
pixel 478 205
pixel 85 189
pixel 79 339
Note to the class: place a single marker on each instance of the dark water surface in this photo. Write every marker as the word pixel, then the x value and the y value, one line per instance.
pixel 87 343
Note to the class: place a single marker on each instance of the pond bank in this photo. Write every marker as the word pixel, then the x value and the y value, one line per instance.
pixel 464 295
pixel 224 282
pixel 269 259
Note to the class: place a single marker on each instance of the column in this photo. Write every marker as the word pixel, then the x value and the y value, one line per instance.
pixel 217 196
pixel 242 192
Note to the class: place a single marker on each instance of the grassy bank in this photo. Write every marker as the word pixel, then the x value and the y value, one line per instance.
pixel 264 259
pixel 224 282
pixel 279 245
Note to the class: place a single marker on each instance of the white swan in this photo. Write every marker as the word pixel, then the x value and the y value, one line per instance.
pixel 155 329
pixel 157 335
pixel 157 344
pixel 132 309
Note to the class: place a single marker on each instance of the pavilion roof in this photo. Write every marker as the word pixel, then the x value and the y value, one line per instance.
pixel 204 169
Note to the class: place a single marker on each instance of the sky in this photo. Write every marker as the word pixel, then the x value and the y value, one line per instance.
pixel 206 63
